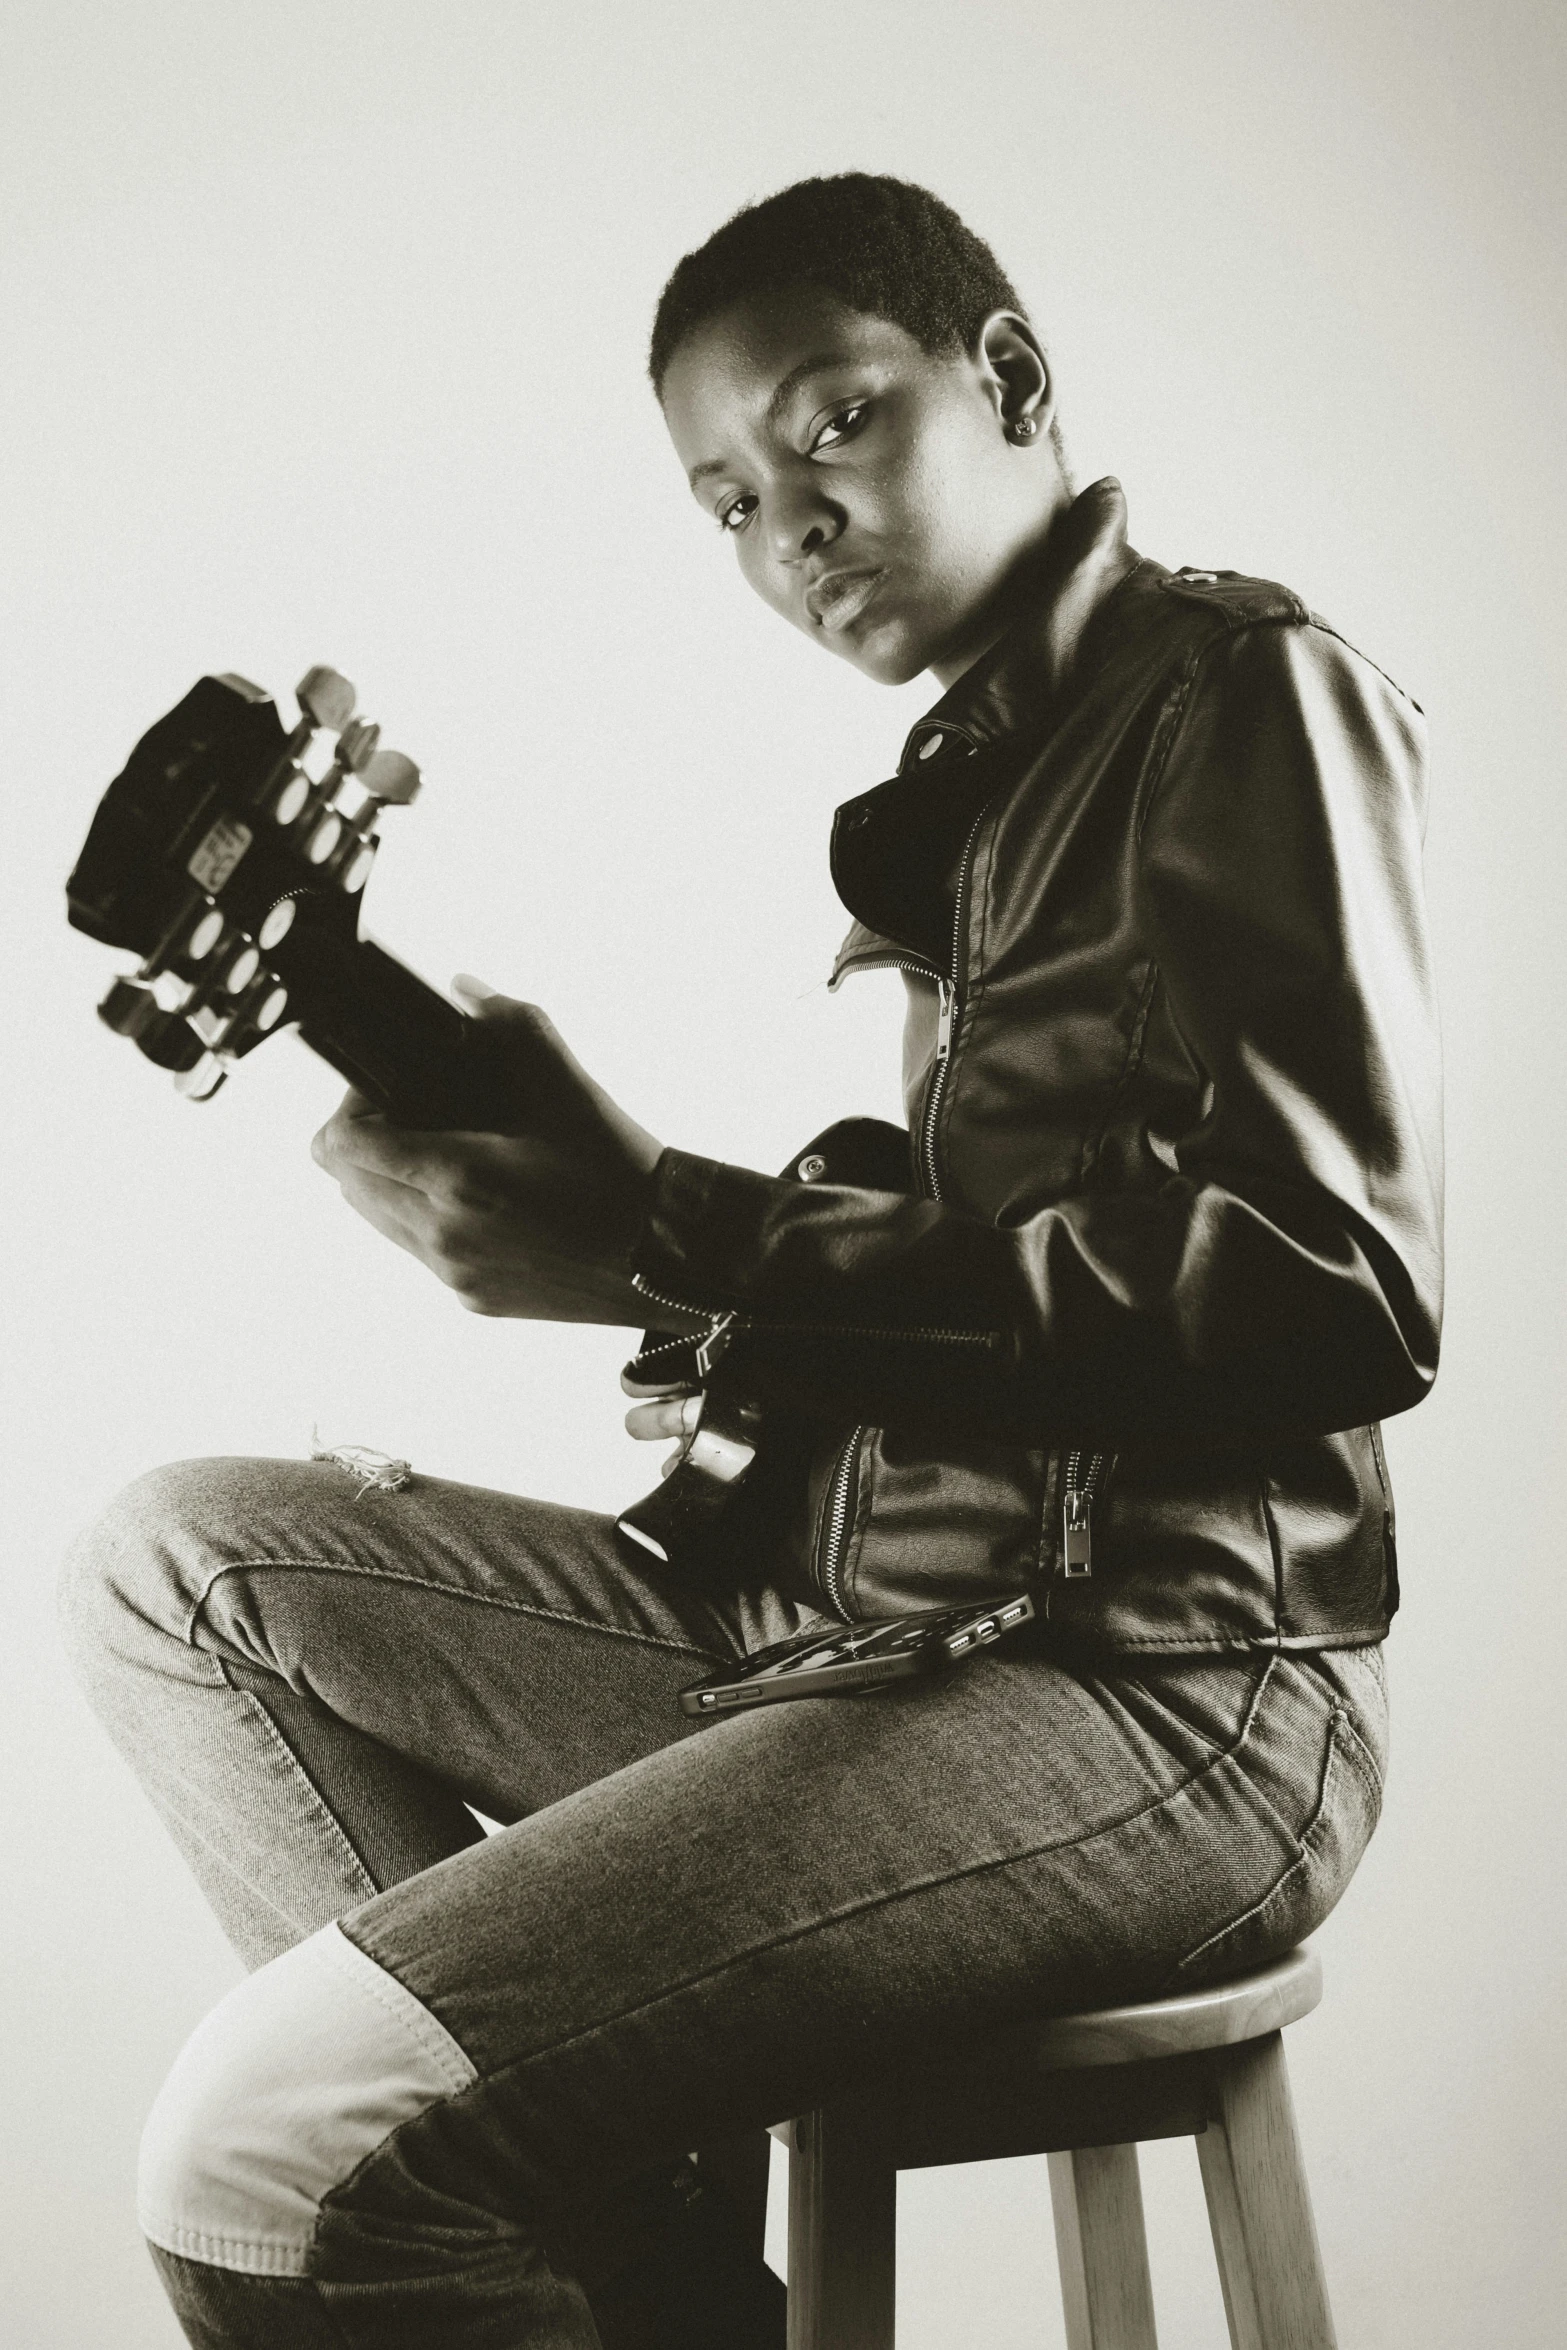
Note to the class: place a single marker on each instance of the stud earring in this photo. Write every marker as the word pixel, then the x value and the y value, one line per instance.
pixel 1025 428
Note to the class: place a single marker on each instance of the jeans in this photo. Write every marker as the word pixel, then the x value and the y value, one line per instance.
pixel 425 2118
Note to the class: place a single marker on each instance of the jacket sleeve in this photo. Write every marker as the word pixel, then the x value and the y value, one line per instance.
pixel 1276 1268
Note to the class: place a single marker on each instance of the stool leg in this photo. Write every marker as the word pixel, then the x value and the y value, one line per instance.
pixel 738 2168
pixel 843 2198
pixel 1259 2207
pixel 1097 2197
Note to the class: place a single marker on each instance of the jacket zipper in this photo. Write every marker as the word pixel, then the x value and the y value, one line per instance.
pixel 708 1348
pixel 881 963
pixel 1078 1488
pixel 946 1009
pixel 924 1334
pixel 838 1524
pixel 1389 1515
pixel 946 1013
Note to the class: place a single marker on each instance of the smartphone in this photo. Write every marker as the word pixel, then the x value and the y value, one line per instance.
pixel 852 1657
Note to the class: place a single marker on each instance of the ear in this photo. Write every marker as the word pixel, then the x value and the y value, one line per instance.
pixel 1016 375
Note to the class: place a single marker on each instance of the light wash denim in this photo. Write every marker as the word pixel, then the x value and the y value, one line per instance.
pixel 682 1932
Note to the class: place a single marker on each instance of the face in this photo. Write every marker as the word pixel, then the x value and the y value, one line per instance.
pixel 873 490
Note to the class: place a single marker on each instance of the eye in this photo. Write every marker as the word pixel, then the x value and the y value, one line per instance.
pixel 840 425
pixel 737 513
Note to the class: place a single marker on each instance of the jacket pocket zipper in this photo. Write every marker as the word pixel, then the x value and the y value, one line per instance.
pixel 1081 1480
pixel 837 1523
pixel 1389 1515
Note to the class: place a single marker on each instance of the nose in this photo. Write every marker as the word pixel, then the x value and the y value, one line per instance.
pixel 801 519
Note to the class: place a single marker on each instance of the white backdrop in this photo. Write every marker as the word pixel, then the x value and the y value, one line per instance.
pixel 323 340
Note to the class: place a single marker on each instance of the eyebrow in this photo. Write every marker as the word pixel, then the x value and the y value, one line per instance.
pixel 778 400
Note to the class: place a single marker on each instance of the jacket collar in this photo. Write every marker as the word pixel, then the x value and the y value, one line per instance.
pixel 1010 689
pixel 892 846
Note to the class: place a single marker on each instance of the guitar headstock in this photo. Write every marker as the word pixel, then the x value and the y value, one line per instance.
pixel 229 855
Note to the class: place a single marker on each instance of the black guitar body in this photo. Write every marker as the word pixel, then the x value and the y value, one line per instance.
pixel 691 1515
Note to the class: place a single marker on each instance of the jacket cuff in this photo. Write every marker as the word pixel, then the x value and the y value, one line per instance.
pixel 701 1230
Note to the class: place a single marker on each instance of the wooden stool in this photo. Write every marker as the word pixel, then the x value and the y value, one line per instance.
pixel 1083 2089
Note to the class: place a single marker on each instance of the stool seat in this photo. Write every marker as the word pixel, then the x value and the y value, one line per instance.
pixel 1086 2089
pixel 1219 2017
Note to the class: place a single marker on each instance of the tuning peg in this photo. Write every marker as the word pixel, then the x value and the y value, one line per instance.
pixel 170 1041
pixel 276 923
pixel 391 776
pixel 204 937
pixel 326 697
pixel 201 1081
pixel 241 971
pixel 356 744
pixel 128 1007
pixel 323 837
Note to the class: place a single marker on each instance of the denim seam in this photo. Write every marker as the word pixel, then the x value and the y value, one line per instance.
pixel 1375 1783
pixel 1348 1636
pixel 425 2029
pixel 1337 1721
pixel 426 1583
pixel 1212 1748
pixel 223 1859
pixel 872 1902
pixel 196 2244
pixel 274 1737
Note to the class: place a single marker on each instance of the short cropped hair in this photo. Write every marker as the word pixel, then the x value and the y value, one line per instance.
pixel 880 245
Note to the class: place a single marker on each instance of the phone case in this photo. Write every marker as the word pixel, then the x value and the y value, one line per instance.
pixel 859 1656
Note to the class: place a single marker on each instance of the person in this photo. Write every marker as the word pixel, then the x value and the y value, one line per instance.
pixel 1114 1321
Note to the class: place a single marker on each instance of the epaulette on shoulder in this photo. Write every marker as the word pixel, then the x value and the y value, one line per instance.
pixel 1240 602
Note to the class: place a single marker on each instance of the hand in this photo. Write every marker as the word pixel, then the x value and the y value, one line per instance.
pixel 671 1415
pixel 539 1223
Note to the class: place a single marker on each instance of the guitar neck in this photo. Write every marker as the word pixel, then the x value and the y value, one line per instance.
pixel 392 1035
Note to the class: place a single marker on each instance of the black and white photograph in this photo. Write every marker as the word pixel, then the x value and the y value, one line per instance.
pixel 785 1271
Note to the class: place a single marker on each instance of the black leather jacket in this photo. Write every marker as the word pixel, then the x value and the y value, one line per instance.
pixel 1163 1243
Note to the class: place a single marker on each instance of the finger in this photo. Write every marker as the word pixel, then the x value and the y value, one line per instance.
pixel 387 1206
pixel 441 1165
pixel 536 1048
pixel 674 1416
pixel 363 1141
pixel 657 1389
pixel 354 1104
pixel 475 995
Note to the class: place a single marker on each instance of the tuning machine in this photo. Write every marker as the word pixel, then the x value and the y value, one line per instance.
pixel 326 698
pixel 132 1009
pixel 331 809
pixel 202 1079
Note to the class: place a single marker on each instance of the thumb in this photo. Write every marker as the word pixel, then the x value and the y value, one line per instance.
pixel 476 995
pixel 525 1037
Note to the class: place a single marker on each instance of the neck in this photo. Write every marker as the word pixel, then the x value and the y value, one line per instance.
pixel 1018 584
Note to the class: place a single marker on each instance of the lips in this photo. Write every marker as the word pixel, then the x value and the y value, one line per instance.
pixel 837 598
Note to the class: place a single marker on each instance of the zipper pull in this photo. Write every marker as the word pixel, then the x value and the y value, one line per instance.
pixel 946 997
pixel 715 1345
pixel 1077 1533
